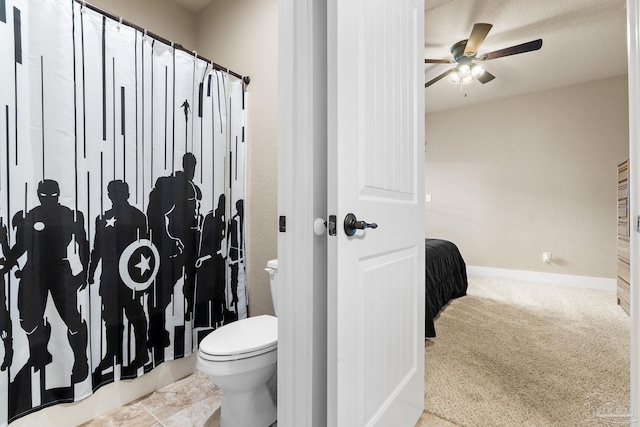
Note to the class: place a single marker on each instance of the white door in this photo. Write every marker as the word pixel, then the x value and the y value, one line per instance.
pixel 375 168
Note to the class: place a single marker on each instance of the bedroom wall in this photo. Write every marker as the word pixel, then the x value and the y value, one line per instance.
pixel 536 173
pixel 252 51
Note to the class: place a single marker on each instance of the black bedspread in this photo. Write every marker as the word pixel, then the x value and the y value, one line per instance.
pixel 446 278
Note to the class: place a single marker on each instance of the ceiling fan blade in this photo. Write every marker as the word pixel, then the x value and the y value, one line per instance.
pixel 476 38
pixel 439 61
pixel 486 77
pixel 440 77
pixel 513 50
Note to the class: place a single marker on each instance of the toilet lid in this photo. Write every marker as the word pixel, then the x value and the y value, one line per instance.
pixel 251 336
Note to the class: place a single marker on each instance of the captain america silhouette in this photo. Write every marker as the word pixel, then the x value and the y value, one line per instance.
pixel 117 229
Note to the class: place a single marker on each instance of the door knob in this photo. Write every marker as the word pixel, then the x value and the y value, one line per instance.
pixel 351 224
pixel 319 226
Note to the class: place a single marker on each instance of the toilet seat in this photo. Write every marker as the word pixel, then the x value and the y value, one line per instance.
pixel 241 339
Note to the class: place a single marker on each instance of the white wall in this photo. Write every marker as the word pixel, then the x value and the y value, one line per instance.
pixel 536 173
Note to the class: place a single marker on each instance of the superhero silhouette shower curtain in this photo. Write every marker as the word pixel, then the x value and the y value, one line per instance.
pixel 121 203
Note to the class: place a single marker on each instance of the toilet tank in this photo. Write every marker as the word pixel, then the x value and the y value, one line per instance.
pixel 272 269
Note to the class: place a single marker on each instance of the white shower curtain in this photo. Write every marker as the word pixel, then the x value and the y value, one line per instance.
pixel 121 202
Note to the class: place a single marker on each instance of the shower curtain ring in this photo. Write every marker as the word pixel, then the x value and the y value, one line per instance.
pixel 83 6
pixel 195 55
pixel 119 22
pixel 144 36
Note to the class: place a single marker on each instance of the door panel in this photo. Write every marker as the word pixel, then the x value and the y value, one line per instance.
pixel 389 318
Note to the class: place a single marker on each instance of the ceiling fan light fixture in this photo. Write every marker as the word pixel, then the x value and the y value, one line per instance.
pixel 464 70
pixel 477 71
pixel 465 52
pixel 454 78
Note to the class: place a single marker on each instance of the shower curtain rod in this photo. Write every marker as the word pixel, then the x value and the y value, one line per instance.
pixel 178 46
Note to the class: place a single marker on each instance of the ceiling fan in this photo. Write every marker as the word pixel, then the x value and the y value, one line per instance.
pixel 465 52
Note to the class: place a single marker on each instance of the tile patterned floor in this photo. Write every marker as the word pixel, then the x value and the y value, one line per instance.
pixel 191 402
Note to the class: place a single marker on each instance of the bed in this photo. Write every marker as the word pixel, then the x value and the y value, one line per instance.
pixel 446 278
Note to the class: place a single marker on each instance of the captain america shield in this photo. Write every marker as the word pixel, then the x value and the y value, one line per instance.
pixel 139 264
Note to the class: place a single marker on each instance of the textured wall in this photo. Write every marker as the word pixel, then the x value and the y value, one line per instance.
pixel 536 173
pixel 162 17
pixel 243 35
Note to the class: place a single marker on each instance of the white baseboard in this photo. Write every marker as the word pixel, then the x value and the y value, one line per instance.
pixel 551 278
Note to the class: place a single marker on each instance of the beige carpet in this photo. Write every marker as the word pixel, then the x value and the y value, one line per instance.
pixel 514 353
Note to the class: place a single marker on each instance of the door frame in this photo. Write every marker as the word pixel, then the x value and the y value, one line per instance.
pixel 633 58
pixel 302 197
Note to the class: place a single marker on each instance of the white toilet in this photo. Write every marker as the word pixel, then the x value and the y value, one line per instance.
pixel 241 359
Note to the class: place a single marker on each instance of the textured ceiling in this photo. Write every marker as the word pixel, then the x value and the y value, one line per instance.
pixel 583 40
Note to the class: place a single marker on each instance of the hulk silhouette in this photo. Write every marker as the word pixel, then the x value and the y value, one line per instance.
pixel 174 222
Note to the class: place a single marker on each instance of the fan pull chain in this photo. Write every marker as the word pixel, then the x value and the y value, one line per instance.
pixel 463 90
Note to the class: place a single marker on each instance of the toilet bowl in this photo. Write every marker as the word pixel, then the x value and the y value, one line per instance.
pixel 241 359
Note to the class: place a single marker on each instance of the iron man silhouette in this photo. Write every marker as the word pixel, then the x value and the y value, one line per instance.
pixel 54 240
